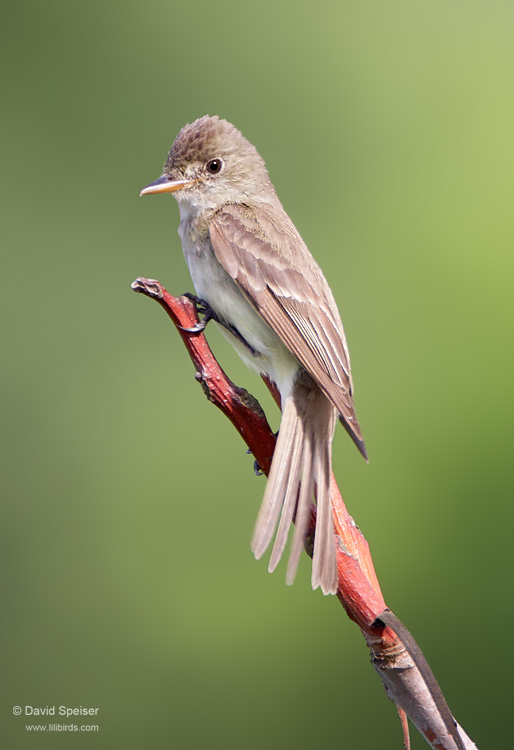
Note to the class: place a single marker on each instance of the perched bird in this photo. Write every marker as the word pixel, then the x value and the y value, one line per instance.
pixel 257 279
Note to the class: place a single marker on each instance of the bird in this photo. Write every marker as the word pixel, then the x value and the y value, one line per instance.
pixel 254 275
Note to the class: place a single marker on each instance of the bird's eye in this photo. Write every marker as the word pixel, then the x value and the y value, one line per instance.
pixel 214 166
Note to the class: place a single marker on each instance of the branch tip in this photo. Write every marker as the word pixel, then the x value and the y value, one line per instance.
pixel 149 287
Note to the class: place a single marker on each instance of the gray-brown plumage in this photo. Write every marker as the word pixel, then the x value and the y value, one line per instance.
pixel 249 263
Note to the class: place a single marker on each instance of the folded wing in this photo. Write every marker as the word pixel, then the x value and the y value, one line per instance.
pixel 264 254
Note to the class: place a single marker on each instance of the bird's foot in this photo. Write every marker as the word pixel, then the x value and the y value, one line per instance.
pixel 203 308
pixel 208 313
pixel 201 305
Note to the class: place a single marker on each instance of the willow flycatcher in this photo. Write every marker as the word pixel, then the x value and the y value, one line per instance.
pixel 259 281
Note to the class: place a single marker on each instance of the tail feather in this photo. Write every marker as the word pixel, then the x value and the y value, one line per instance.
pixel 303 511
pixel 278 479
pixel 324 563
pixel 303 452
pixel 290 498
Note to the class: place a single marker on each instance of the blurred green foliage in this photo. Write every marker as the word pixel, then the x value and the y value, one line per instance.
pixel 128 500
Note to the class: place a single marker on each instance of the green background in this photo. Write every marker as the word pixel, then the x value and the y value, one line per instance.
pixel 129 502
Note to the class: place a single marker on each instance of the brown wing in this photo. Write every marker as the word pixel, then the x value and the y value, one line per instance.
pixel 264 254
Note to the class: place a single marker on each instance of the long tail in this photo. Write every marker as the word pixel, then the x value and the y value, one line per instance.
pixel 302 462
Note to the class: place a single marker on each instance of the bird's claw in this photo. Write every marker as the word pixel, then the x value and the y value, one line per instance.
pixel 204 309
pixel 198 328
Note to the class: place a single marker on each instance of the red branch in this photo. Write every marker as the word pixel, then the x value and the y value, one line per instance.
pixel 358 588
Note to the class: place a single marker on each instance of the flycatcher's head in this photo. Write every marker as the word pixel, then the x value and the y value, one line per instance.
pixel 211 163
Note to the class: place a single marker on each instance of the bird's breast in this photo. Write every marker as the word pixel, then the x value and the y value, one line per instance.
pixel 214 285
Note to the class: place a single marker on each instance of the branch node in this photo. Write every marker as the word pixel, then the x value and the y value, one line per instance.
pixel 250 401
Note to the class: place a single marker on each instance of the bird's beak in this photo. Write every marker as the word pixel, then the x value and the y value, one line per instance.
pixel 164 185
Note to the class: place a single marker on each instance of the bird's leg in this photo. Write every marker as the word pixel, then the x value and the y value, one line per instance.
pixel 200 304
pixel 208 313
pixel 204 309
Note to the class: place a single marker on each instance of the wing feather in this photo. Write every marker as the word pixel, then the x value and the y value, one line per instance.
pixel 264 254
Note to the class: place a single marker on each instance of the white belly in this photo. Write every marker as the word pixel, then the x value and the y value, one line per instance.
pixel 213 284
